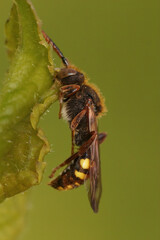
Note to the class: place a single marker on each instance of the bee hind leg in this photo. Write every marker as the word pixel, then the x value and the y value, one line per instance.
pixel 63 164
pixel 81 151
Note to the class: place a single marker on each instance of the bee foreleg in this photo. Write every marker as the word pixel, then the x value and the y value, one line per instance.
pixel 69 90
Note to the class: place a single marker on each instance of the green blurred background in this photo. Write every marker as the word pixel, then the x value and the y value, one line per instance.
pixel 117 43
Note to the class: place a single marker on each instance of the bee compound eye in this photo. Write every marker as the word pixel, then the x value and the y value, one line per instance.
pixel 66 72
pixel 69 76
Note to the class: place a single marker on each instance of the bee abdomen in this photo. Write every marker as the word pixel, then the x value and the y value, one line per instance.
pixel 73 176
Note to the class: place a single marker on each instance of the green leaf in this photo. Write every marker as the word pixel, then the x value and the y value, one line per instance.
pixel 25 96
pixel 12 32
pixel 12 220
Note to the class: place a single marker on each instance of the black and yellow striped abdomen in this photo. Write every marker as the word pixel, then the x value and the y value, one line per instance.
pixel 73 175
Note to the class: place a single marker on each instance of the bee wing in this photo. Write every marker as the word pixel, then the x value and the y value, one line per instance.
pixel 95 187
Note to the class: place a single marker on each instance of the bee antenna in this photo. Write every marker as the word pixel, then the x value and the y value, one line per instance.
pixel 56 49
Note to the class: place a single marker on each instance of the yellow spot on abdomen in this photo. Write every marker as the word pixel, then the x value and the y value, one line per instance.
pixel 60 188
pixel 84 163
pixel 69 187
pixel 80 175
pixel 77 184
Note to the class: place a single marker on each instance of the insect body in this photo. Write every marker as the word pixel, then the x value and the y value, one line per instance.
pixel 80 104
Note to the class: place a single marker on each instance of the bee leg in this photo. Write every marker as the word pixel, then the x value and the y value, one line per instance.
pixel 81 151
pixel 101 137
pixel 69 90
pixel 63 164
pixel 87 144
pixel 76 120
pixel 60 105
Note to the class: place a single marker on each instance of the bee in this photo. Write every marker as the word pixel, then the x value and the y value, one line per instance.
pixel 81 104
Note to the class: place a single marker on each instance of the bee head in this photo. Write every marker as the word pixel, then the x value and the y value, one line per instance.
pixel 69 76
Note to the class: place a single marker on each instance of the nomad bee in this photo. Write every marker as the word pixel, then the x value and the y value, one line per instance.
pixel 80 104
